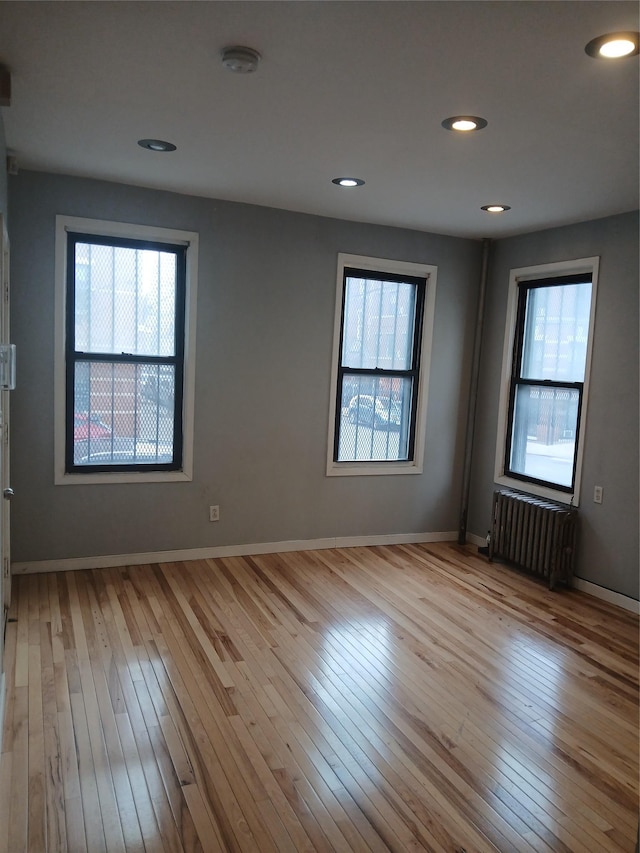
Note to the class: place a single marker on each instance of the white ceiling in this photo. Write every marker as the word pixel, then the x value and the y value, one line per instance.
pixel 344 88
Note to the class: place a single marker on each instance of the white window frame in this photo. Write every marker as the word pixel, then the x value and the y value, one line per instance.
pixel 104 228
pixel 532 273
pixel 411 466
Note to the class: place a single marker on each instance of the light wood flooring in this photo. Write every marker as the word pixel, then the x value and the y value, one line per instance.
pixel 399 698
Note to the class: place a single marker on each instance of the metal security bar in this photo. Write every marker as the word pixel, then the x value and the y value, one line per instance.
pixel 124 354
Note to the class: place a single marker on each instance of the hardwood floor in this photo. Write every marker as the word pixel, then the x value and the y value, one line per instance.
pixel 397 698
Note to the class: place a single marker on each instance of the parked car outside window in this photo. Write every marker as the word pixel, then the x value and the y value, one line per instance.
pixel 378 412
pixel 89 427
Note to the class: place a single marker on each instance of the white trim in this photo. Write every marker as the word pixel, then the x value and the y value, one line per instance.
pixel 141 232
pixel 589 588
pixel 608 595
pixel 211 553
pixel 106 561
pixel 429 272
pixel 580 265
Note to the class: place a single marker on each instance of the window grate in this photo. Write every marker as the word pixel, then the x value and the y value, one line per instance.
pixel 377 386
pixel 124 354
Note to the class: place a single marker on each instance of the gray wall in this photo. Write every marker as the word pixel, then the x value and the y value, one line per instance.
pixel 608 551
pixel 264 338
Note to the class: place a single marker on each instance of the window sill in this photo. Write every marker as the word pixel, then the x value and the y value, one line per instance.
pixel 364 469
pixel 539 491
pixel 105 477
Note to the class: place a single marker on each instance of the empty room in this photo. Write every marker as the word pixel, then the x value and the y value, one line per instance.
pixel 319 426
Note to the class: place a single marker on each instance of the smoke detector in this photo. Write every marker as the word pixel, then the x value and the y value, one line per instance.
pixel 240 60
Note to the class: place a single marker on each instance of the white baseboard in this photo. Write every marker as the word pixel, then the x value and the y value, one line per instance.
pixel 107 560
pixel 593 589
pixel 608 595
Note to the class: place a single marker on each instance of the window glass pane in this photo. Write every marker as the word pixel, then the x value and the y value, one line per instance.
pixel 379 319
pixel 543 440
pixel 125 300
pixel 375 419
pixel 123 413
pixel 556 332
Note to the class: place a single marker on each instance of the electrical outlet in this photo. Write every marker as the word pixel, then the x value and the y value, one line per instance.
pixel 214 513
pixel 597 494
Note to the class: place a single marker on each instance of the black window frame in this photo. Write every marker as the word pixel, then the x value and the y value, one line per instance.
pixel 517 381
pixel 420 282
pixel 74 356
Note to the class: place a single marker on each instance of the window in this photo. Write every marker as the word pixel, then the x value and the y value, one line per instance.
pixel 124 361
pixel 384 322
pixel 544 395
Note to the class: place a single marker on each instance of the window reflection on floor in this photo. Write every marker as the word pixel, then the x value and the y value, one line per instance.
pixel 357 664
pixel 531 685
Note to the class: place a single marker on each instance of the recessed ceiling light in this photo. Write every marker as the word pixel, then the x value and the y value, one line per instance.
pixel 240 60
pixel 156 145
pixel 614 45
pixel 348 182
pixel 495 208
pixel 464 124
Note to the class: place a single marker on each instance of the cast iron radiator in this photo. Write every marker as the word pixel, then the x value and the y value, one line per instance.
pixel 535 534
